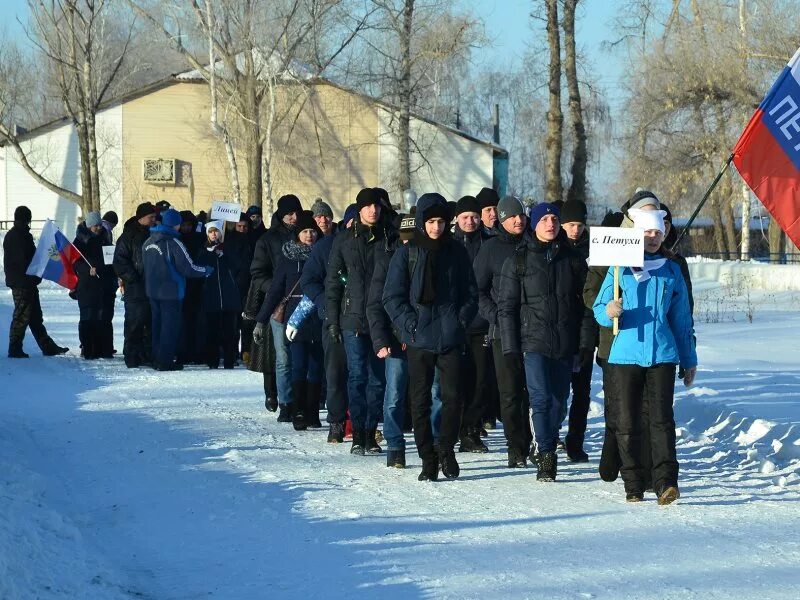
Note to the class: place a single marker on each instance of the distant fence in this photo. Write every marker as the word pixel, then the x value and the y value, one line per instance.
pixel 782 258
pixel 36 225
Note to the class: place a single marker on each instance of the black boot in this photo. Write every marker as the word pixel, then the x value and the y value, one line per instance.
pixel 471 442
pixel 396 459
pixel 450 468
pixel 285 413
pixel 575 451
pixel 516 458
pixel 336 433
pixel 371 445
pixel 16 351
pixel 313 394
pixel 299 392
pixel 430 469
pixel 50 348
pixel 271 404
pixel 547 467
pixel 358 442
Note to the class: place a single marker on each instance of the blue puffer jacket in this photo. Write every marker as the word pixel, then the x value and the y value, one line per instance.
pixel 221 292
pixel 167 265
pixel 442 325
pixel 312 280
pixel 656 325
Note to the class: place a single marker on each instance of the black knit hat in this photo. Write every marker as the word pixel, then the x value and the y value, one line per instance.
pixel 487 197
pixel 22 214
pixel 187 216
pixel 111 217
pixel 288 204
pixel 367 197
pixel 612 219
pixel 305 220
pixel 145 209
pixel 573 211
pixel 468 204
pixel 163 206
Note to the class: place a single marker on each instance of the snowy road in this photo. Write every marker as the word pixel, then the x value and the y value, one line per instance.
pixel 131 484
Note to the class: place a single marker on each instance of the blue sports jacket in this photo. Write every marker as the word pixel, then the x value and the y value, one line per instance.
pixel 167 265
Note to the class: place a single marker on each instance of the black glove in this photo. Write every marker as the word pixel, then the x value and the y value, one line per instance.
pixel 258 333
pixel 336 333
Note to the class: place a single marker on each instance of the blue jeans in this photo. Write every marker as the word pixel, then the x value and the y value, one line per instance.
pixel 166 330
pixel 283 362
pixel 436 406
pixel 394 401
pixel 306 359
pixel 548 381
pixel 366 381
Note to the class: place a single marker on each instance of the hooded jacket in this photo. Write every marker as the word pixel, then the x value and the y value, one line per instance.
pixel 129 261
pixel 540 306
pixel 18 251
pixel 441 325
pixel 656 326
pixel 350 272
pixel 167 265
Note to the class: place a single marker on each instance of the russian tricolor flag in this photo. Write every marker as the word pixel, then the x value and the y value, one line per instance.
pixel 767 154
pixel 55 257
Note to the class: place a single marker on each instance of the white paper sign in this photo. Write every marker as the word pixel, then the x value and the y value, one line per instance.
pixel 616 247
pixel 226 211
pixel 108 255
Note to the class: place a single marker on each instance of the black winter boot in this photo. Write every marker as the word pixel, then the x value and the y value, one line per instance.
pixel 516 458
pixel 271 404
pixel 471 442
pixel 336 433
pixel 430 469
pixel 370 443
pixel 299 392
pixel 358 442
pixel 396 459
pixel 313 395
pixel 547 467
pixel 450 468
pixel 575 451
pixel 50 348
pixel 285 413
pixel 16 351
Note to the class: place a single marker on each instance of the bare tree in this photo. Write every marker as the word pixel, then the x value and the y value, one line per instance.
pixel 580 157
pixel 554 187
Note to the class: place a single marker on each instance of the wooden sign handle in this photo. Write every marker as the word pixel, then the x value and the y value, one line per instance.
pixel 616 297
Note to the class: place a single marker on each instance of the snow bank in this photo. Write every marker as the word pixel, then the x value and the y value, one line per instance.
pixel 759 276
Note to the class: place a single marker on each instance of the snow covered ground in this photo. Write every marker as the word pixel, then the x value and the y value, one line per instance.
pixel 118 483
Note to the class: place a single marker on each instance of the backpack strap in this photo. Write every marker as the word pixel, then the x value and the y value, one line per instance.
pixel 413 257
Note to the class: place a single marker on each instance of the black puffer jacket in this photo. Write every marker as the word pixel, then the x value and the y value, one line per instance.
pixel 93 291
pixel 488 265
pixel 381 329
pixel 18 251
pixel 540 308
pixel 219 292
pixel 266 255
pixel 128 259
pixel 352 261
pixel 473 242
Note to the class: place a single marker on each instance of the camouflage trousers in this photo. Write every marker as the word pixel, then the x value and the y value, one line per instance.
pixel 27 313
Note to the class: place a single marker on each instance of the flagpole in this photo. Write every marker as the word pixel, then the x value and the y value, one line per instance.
pixel 702 202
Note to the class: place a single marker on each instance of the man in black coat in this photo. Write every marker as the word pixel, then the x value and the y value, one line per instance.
pixel 540 313
pixel 573 222
pixel 18 251
pixel 510 233
pixel 488 200
pixel 257 228
pixel 266 255
pixel 129 268
pixel 190 346
pixel 431 297
pixel 346 285
pixel 478 381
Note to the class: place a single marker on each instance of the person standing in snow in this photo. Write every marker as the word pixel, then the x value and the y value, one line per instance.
pixel 96 289
pixel 304 342
pixel 655 334
pixel 18 251
pixel 540 313
pixel 431 298
pixel 167 265
pixel 221 303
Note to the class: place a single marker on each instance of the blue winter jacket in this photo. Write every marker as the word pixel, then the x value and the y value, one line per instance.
pixel 656 323
pixel 442 325
pixel 312 280
pixel 167 265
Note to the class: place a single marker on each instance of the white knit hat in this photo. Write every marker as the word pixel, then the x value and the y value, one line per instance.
pixel 648 219
pixel 218 225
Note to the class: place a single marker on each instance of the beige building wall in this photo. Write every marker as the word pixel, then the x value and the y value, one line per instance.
pixel 326 147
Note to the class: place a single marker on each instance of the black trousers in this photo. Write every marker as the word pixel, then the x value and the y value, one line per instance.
pixel 421 369
pixel 476 381
pixel 191 348
pixel 27 313
pixel 335 379
pixel 514 405
pixel 221 332
pixel 643 398
pixel 95 332
pixel 138 323
pixel 609 456
pixel 270 382
pixel 579 409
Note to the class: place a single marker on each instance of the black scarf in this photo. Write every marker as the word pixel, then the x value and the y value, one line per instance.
pixel 432 248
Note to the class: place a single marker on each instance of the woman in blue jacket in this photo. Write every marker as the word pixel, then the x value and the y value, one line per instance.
pixel 305 342
pixel 655 335
pixel 221 299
